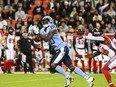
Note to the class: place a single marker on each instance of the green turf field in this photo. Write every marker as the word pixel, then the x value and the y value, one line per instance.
pixel 49 80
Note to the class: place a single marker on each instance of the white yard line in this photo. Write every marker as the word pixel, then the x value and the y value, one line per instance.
pixel 30 80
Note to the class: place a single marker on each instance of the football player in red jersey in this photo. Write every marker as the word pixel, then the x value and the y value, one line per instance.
pixel 79 47
pixel 10 44
pixel 114 39
pixel 106 47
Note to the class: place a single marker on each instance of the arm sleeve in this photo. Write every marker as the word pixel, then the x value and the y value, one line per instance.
pixel 95 38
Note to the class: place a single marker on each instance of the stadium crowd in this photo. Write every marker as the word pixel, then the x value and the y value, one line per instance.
pixel 19 16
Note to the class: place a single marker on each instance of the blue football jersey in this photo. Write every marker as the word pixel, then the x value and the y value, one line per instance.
pixel 56 42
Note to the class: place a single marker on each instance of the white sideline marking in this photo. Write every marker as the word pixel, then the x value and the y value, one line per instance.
pixel 30 80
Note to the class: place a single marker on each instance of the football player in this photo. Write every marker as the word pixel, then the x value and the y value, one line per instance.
pixel 49 33
pixel 79 47
pixel 10 44
pixel 106 47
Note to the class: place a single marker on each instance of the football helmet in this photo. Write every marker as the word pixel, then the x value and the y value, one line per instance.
pixel 95 32
pixel 80 32
pixel 10 30
pixel 46 21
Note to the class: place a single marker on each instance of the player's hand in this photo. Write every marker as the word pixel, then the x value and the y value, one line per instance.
pixel 89 56
pixel 54 31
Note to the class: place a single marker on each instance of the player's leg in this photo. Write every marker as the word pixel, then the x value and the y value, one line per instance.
pixel 100 58
pixel 11 61
pixel 59 57
pixel 94 65
pixel 57 60
pixel 109 65
pixel 6 61
pixel 78 71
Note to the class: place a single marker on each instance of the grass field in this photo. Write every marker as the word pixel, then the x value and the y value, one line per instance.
pixel 49 80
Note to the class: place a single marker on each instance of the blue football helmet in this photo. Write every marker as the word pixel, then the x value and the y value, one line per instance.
pixel 46 21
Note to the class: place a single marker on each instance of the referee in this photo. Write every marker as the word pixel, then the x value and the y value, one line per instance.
pixel 25 44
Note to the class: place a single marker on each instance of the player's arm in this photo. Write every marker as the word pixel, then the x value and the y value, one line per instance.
pixel 76 53
pixel 49 35
pixel 92 55
pixel 74 42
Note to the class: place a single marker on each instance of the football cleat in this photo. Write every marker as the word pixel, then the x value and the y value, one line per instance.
pixel 68 82
pixel 90 81
pixel 111 85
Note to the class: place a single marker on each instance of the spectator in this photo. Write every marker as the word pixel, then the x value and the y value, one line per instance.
pixel 99 4
pixel 67 8
pixel 10 14
pixel 99 17
pixel 113 5
pixel 106 18
pixel 20 21
pixel 2 22
pixel 90 28
pixel 15 5
pixel 18 31
pixel 50 5
pixel 64 26
pixel 77 17
pixel 33 28
pixel 53 13
pixel 63 14
pixel 108 29
pixel 81 3
pixel 77 23
pixel 94 3
pixel 113 25
pixel 88 5
pixel 39 9
pixel 57 20
pixel 97 30
pixel 88 18
pixel 5 30
pixel 62 34
pixel 102 8
pixel 20 14
pixel 103 25
pixel 24 45
pixel 111 12
pixel 2 13
pixel 58 8
pixel 27 5
pixel 74 11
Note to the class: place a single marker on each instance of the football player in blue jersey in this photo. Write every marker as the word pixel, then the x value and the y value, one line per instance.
pixel 49 33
